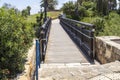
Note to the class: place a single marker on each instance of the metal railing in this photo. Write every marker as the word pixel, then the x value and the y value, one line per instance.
pixel 44 35
pixel 81 33
pixel 41 45
pixel 38 60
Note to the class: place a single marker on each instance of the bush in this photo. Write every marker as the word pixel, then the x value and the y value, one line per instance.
pixel 88 5
pixel 99 26
pixel 69 9
pixel 107 25
pixel 112 25
pixel 82 12
pixel 15 38
pixel 98 22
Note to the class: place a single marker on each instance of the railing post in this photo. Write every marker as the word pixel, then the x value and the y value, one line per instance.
pixel 42 45
pixel 82 36
pixel 37 58
pixel 92 44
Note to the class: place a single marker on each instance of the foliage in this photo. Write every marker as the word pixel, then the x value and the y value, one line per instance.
pixel 101 13
pixel 112 25
pixel 28 9
pixel 98 22
pixel 50 4
pixel 39 23
pixel 107 25
pixel 69 9
pixel 26 12
pixel 105 6
pixel 88 5
pixel 38 18
pixel 85 9
pixel 15 38
pixel 99 26
pixel 82 11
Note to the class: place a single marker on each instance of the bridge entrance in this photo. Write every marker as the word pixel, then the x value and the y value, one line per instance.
pixel 60 48
pixel 65 41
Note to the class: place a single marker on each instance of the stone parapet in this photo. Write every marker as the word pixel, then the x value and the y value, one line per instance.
pixel 106 49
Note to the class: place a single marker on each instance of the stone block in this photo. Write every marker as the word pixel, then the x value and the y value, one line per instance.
pixel 107 50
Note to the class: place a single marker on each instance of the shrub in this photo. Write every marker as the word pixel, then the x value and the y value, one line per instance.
pixel 112 25
pixel 98 22
pixel 15 38
pixel 82 11
pixel 99 26
pixel 88 5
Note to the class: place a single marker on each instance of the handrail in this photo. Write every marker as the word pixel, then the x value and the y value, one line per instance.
pixel 82 33
pixel 44 34
pixel 38 60
pixel 41 45
pixel 82 23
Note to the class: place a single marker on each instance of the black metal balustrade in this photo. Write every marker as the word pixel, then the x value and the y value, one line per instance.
pixel 81 33
pixel 44 34
pixel 41 45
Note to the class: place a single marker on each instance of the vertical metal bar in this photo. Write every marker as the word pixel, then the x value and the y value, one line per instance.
pixel 37 58
pixel 42 45
pixel 39 61
pixel 37 50
pixel 82 36
pixel 91 44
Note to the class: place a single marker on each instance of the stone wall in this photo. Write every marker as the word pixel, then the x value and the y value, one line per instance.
pixel 107 50
pixel 29 65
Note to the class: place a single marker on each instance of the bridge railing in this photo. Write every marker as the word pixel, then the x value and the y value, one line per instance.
pixel 38 59
pixel 44 34
pixel 82 34
pixel 41 45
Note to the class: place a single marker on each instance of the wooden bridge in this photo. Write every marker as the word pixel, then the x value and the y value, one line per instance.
pixel 61 49
pixel 65 41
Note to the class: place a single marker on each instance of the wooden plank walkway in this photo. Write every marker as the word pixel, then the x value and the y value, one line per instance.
pixel 61 49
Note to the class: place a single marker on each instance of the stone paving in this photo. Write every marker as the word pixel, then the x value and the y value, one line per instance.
pixel 77 71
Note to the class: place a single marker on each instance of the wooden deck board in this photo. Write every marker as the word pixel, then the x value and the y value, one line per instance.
pixel 61 49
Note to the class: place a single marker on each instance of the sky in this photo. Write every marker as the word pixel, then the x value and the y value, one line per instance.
pixel 35 4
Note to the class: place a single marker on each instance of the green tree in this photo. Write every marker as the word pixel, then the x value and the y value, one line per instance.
pixel 28 9
pixel 104 6
pixel 80 1
pixel 69 9
pixel 51 4
pixel 7 6
pixel 26 12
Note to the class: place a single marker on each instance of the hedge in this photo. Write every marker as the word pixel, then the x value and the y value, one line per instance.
pixel 15 38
